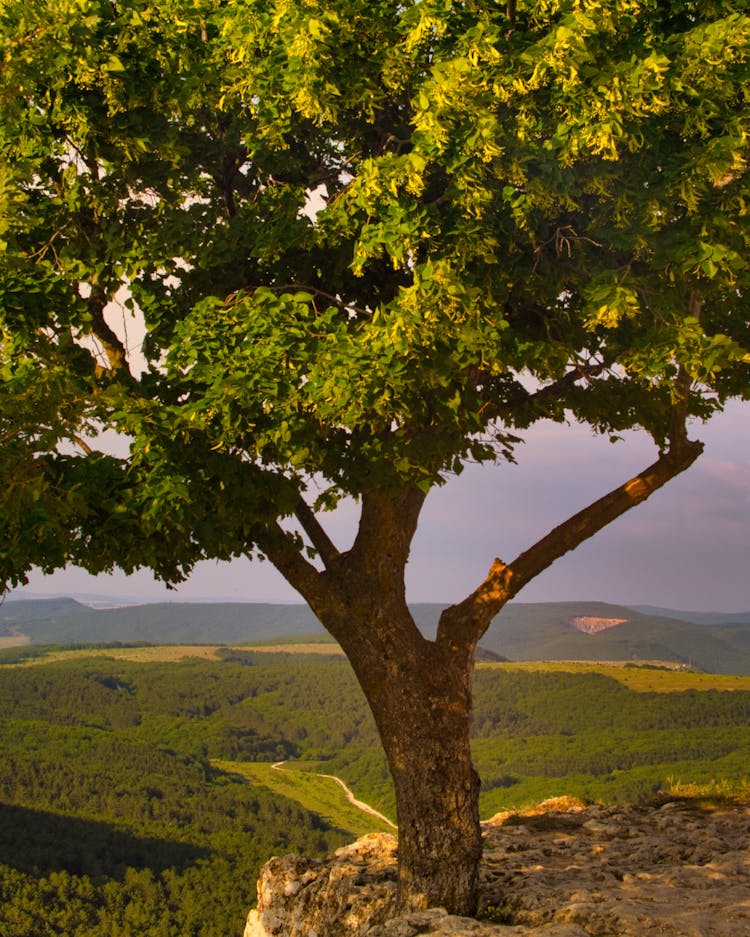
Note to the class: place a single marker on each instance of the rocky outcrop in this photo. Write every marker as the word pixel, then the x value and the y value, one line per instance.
pixel 346 894
pixel 671 871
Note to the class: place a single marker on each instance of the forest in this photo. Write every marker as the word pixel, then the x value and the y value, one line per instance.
pixel 115 818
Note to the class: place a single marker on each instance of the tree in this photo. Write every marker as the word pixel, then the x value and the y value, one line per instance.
pixel 368 241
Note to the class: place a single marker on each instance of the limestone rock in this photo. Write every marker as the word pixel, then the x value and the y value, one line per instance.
pixel 344 896
pixel 436 922
pixel 558 871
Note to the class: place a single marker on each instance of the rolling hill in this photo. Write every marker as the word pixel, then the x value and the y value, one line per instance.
pixel 697 618
pixel 713 642
pixel 66 621
pixel 552 631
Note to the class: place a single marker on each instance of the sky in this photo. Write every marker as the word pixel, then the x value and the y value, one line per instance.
pixel 687 547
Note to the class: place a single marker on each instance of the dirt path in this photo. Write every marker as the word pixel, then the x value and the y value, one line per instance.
pixel 360 805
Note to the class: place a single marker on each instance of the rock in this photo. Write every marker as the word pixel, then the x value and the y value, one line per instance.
pixel 565 871
pixel 354 889
pixel 438 923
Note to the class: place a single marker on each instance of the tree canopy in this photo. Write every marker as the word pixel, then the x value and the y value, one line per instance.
pixel 369 241
pixel 366 242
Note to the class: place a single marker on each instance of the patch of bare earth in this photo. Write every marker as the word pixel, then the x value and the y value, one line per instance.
pixel 589 624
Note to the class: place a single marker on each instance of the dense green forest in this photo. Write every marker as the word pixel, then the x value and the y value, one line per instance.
pixel 115 819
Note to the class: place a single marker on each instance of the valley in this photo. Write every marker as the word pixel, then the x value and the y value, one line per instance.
pixel 133 776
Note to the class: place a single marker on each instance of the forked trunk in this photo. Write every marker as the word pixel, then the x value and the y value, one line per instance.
pixel 419 690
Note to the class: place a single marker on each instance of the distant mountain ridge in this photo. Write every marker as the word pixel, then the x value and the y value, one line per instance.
pixel 546 631
pixel 697 618
pixel 712 641
pixel 65 620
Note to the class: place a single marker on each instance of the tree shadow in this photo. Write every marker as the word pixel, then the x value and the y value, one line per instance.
pixel 40 842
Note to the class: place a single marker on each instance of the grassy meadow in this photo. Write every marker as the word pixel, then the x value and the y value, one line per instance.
pixel 654 677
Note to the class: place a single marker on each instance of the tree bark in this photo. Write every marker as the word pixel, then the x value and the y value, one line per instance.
pixel 419 692
pixel 421 700
pixel 425 727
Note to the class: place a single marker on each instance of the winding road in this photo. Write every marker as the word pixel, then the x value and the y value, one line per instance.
pixel 360 805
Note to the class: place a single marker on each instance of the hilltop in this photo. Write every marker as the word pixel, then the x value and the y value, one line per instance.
pixel 65 620
pixel 711 641
pixel 558 870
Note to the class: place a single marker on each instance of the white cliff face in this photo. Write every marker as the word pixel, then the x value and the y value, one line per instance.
pixel 594 872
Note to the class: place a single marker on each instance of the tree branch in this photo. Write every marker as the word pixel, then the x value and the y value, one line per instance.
pixel 113 347
pixel 373 567
pixel 522 399
pixel 557 389
pixel 313 528
pixel 82 443
pixel 464 624
pixel 298 572
pixel 386 529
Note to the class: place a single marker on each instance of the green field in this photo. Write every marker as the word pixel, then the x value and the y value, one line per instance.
pixel 643 677
pixel 304 783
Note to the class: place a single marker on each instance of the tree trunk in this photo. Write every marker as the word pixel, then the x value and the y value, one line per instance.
pixel 421 701
pixel 437 799
pixel 419 692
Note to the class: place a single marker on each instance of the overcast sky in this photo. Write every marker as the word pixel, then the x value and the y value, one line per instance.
pixel 688 547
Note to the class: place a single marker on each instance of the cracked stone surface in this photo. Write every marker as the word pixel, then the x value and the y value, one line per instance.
pixel 670 871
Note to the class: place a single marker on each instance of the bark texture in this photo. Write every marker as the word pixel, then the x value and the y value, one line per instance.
pixel 437 795
pixel 422 708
